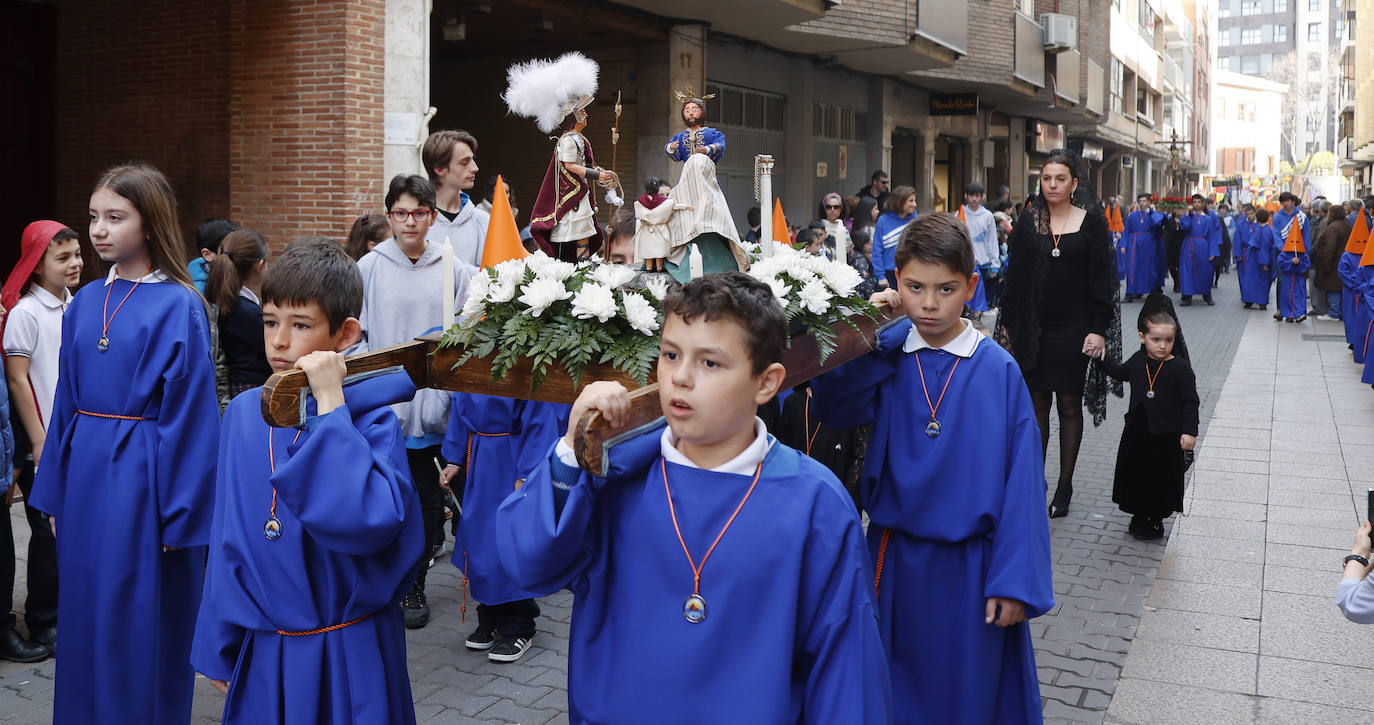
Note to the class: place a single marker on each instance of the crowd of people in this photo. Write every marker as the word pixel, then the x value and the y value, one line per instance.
pixel 285 565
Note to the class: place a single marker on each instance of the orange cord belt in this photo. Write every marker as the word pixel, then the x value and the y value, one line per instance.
pixel 322 630
pixel 878 567
pixel 112 415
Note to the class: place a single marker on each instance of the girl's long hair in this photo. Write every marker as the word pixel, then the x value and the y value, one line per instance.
pixel 149 191
pixel 240 250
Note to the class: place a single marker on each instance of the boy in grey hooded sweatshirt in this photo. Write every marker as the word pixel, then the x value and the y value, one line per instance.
pixel 405 295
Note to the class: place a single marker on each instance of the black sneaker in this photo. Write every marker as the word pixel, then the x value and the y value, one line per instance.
pixel 481 640
pixel 510 649
pixel 416 607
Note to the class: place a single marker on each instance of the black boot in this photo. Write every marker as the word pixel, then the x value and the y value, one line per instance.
pixel 1059 506
pixel 415 605
pixel 17 649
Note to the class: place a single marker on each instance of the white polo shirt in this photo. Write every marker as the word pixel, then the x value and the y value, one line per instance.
pixel 33 329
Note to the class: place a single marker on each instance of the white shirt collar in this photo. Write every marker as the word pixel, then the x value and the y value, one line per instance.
pixel 963 345
pixel 47 298
pixel 153 276
pixel 744 464
pixel 249 295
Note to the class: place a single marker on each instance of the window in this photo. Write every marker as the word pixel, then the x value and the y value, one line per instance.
pixel 1146 19
pixel 748 108
pixel 839 123
pixel 1118 85
pixel 1250 7
pixel 1280 6
pixel 1249 64
pixel 1311 124
pixel 1314 94
pixel 1249 36
pixel 1280 33
pixel 1314 4
pixel 1225 10
pixel 1314 31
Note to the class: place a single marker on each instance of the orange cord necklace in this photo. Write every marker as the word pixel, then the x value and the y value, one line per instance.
pixel 1152 378
pixel 806 424
pixel 933 427
pixel 106 318
pixel 694 607
pixel 272 529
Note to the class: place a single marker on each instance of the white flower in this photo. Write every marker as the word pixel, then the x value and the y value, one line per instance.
pixel 640 313
pixel 814 296
pixel 657 285
pixel 501 291
pixel 510 273
pixel 613 275
pixel 841 278
pixel 594 300
pixel 550 268
pixel 542 292
pixel 780 289
pixel 479 285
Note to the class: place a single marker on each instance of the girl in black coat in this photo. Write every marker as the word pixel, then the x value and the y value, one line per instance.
pixel 1161 424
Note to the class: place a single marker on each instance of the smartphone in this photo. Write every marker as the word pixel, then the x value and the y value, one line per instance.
pixel 1369 507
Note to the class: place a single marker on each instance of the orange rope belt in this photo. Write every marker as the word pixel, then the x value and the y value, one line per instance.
pixel 112 415
pixel 322 630
pixel 878 568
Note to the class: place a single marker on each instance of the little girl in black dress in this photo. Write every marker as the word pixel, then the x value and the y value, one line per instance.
pixel 1161 424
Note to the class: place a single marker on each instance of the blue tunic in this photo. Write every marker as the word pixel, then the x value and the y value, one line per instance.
pixel 887 234
pixel 1201 242
pixel 1367 303
pixel 122 489
pixel 1252 244
pixel 790 634
pixel 1140 246
pixel 499 440
pixel 1292 292
pixel 967 521
pixel 350 535
pixel 706 136
pixel 1352 313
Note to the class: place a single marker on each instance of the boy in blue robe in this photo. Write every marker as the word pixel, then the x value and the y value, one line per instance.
pixel 1252 243
pixel 955 491
pixel 499 441
pixel 316 530
pixel 1141 244
pixel 1292 241
pixel 1201 244
pixel 719 575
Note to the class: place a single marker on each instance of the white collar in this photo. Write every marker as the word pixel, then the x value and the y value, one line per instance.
pixel 249 295
pixel 153 276
pixel 48 299
pixel 962 345
pixel 744 464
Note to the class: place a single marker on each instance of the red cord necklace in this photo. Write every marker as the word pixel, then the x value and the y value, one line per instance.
pixel 694 607
pixel 272 529
pixel 106 318
pixel 933 427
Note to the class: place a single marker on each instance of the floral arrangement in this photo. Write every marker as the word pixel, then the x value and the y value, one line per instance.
pixel 580 314
pixel 1173 203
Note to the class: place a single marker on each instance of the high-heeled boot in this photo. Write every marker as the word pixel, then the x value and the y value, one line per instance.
pixel 1059 505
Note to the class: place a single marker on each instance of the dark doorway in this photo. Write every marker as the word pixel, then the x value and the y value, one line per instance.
pixel 28 186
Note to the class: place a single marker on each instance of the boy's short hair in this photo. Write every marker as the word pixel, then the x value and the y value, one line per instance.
pixel 974 188
pixel 318 271
pixel 739 298
pixel 808 235
pixel 937 239
pixel 1142 195
pixel 1289 196
pixel 1261 215
pixel 754 216
pixel 413 184
pixel 64 234
pixel 1197 197
pixel 438 150
pixel 213 231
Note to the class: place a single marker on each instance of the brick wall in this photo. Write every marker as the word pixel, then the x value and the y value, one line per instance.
pixel 305 115
pixel 144 81
pixel 991 45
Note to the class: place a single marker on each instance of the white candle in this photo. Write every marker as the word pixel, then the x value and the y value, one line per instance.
pixel 694 262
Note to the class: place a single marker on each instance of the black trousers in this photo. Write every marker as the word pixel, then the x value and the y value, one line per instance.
pixel 426 477
pixel 40 608
pixel 512 619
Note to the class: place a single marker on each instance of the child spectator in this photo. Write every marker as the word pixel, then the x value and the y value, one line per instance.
pixel 412 286
pixel 715 489
pixel 316 531
pixel 1161 423
pixel 368 231
pixel 954 488
pixel 128 464
pixel 234 285
pixel 208 237
pixel 49 266
pixel 860 252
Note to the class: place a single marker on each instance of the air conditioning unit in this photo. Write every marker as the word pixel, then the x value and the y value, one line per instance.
pixel 1061 31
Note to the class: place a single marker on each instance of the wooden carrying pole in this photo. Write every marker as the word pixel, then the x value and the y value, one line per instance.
pixel 285 394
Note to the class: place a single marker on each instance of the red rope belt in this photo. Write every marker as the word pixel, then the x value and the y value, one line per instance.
pixel 878 568
pixel 112 415
pixel 322 630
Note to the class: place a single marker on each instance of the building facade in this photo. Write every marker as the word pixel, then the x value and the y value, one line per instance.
pixel 1246 113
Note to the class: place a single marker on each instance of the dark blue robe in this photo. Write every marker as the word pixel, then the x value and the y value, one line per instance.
pixel 966 513
pixel 500 440
pixel 1352 312
pixel 1201 242
pixel 1252 244
pixel 790 634
pixel 350 535
pixel 1292 292
pixel 121 491
pixel 1367 303
pixel 1140 245
pixel 709 137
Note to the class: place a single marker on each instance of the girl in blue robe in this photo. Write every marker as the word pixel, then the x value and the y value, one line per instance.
pixel 1252 243
pixel 350 533
pixel 951 525
pixel 1201 242
pixel 497 442
pixel 1141 244
pixel 128 465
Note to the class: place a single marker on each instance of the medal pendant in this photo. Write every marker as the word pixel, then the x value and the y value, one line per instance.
pixel 694 609
pixel 1054 252
pixel 272 529
pixel 1150 395
pixel 933 429
pixel 104 344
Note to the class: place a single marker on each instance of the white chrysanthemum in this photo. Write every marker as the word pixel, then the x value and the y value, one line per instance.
pixel 814 296
pixel 841 278
pixel 510 272
pixel 555 269
pixel 797 267
pixel 479 285
pixel 640 313
pixel 502 290
pixel 613 275
pixel 780 289
pixel 473 306
pixel 765 267
pixel 594 300
pixel 542 292
pixel 657 284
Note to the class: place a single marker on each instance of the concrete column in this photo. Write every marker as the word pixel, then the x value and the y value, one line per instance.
pixel 925 168
pixel 798 163
pixel 405 98
pixel 1017 164
pixel 879 136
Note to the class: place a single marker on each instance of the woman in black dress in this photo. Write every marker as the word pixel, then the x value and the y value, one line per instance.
pixel 1059 309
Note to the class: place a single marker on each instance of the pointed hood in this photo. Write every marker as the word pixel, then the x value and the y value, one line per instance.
pixel 1359 235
